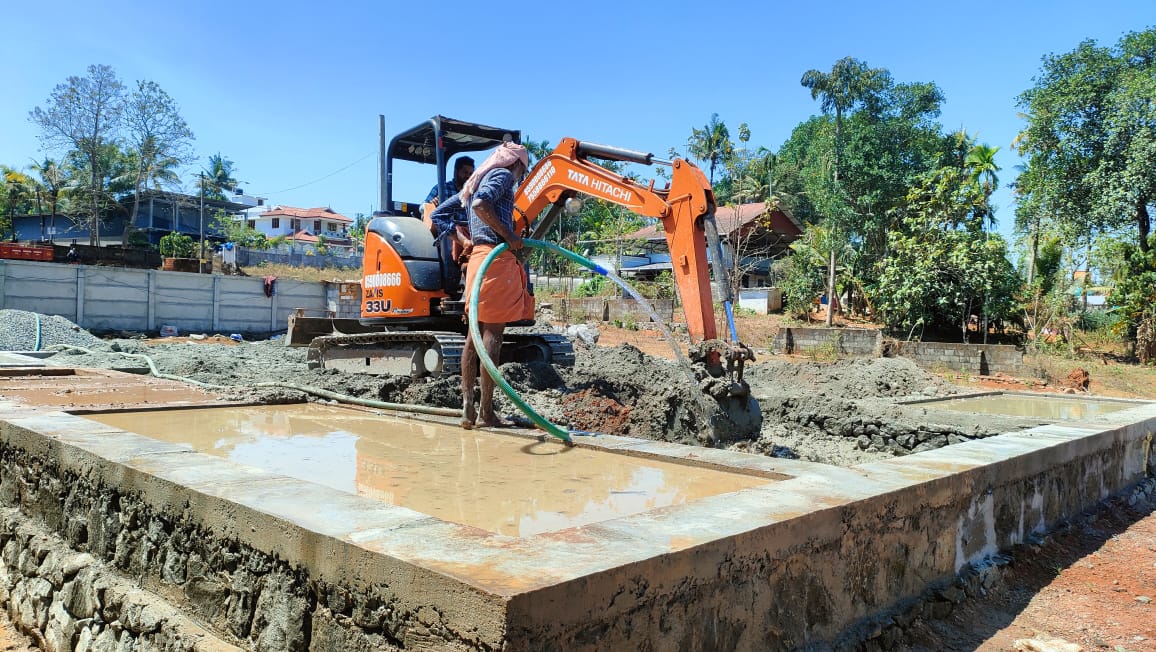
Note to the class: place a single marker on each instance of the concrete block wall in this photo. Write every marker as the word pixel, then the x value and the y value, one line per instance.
pixel 979 359
pixel 599 309
pixel 107 298
pixel 845 341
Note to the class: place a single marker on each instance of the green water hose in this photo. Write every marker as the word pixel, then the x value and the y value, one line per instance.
pixel 315 391
pixel 476 334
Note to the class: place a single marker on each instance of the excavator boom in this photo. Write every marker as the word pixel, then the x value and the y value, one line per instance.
pixel 684 208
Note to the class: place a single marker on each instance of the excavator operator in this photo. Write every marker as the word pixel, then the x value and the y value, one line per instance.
pixel 504 293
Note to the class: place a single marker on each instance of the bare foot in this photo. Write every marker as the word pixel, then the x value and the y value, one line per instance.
pixel 495 422
pixel 469 415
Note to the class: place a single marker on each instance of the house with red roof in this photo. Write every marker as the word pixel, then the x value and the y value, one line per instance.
pixel 753 236
pixel 304 226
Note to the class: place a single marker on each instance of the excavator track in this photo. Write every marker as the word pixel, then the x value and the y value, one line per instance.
pixel 538 347
pixel 398 353
pixel 426 353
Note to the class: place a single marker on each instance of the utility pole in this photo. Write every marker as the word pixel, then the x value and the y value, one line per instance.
pixel 381 171
pixel 201 221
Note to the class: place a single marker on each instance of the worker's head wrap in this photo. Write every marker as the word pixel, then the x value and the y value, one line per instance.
pixel 504 156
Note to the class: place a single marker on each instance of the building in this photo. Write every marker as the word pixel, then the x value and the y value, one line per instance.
pixel 304 227
pixel 759 233
pixel 158 214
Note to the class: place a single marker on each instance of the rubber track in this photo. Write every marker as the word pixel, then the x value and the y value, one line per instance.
pixel 451 344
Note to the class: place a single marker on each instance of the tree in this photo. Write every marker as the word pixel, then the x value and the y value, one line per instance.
pixel 20 195
pixel 980 162
pixel 84 114
pixel 219 177
pixel 711 144
pixel 943 268
pixel 1091 135
pixel 537 149
pixel 158 137
pixel 237 231
pixel 57 188
pixel 850 83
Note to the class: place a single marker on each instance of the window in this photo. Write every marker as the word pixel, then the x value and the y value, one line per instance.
pixel 317 226
pixel 296 224
pixel 276 222
pixel 331 227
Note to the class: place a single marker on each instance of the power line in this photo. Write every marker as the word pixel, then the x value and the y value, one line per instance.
pixel 309 183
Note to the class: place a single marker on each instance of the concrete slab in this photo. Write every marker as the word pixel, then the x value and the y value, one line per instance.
pixel 796 559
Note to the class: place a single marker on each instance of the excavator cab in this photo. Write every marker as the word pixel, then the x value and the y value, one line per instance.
pixel 410 277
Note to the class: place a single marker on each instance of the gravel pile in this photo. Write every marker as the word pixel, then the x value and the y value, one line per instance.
pixel 18 330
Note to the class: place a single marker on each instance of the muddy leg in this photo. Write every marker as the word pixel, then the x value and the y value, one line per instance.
pixel 492 340
pixel 470 364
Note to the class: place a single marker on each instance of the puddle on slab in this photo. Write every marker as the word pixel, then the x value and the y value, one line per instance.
pixel 1041 407
pixel 499 483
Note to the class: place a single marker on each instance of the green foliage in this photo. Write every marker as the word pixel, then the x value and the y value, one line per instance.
pixel 711 145
pixel 597 286
pixel 237 231
pixel 662 287
pixel 801 278
pixel 219 177
pixel 137 239
pixel 1090 138
pixel 177 245
pixel 1135 293
pixel 942 266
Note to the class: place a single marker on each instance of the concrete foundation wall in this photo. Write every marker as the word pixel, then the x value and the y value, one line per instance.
pixel 270 563
pixel 980 359
pixel 844 341
pixel 144 300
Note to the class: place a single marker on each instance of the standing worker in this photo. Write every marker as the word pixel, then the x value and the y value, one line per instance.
pixel 503 296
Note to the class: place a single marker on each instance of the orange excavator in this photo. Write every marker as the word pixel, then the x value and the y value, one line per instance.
pixel 411 284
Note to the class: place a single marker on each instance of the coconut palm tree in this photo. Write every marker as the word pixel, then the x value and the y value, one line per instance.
pixel 55 182
pixel 711 144
pixel 849 83
pixel 219 177
pixel 980 162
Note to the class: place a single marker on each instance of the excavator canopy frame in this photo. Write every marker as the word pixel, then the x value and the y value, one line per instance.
pixel 438 139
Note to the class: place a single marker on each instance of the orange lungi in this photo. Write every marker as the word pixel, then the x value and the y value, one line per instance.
pixel 504 297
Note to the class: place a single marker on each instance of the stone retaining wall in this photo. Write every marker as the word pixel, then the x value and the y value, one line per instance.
pixel 841 341
pixel 979 359
pixel 70 578
pixel 69 600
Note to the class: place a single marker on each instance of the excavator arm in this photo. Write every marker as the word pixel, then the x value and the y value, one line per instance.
pixel 685 208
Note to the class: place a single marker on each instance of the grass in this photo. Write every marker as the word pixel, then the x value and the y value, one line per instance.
pixel 304 273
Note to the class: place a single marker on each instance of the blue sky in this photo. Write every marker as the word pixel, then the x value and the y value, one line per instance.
pixel 291 91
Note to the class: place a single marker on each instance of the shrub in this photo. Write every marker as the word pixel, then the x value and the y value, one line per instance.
pixel 177 245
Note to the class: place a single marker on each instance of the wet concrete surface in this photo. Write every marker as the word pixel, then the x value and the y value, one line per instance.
pixel 1048 408
pixel 496 482
pixel 94 389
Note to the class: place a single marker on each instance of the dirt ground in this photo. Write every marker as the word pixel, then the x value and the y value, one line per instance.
pixel 1084 585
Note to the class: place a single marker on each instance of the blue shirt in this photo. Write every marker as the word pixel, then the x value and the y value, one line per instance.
pixel 447 214
pixel 497 188
pixel 451 189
